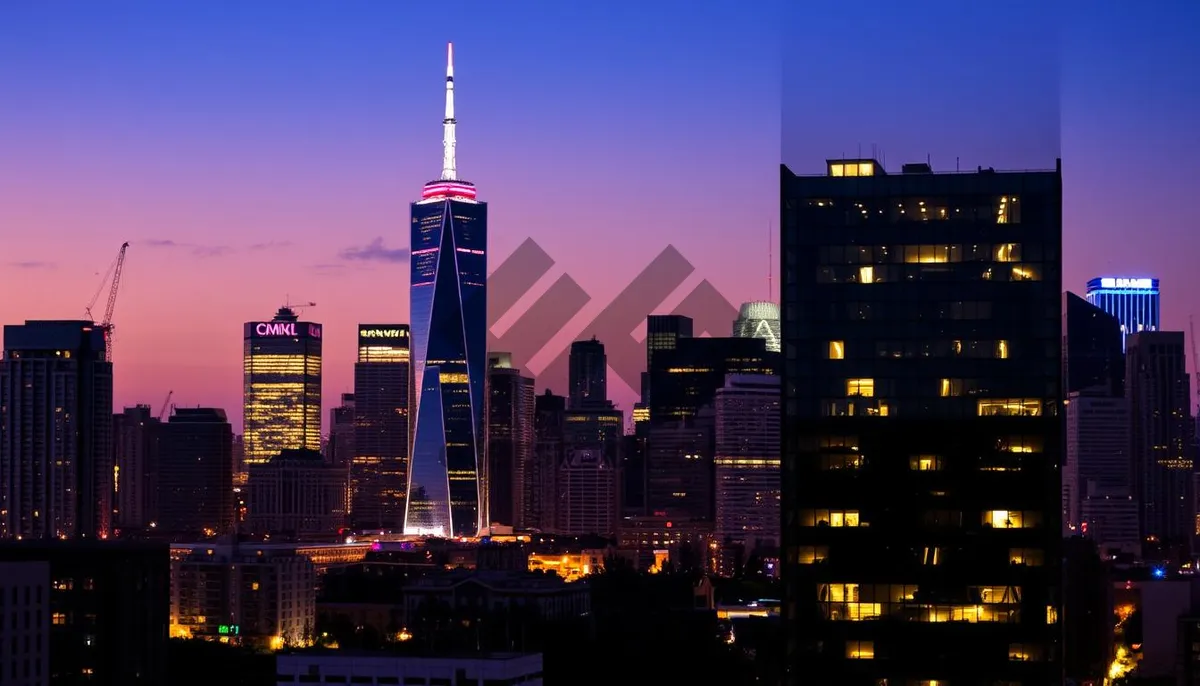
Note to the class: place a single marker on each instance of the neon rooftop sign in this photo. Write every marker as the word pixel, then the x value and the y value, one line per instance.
pixel 1131 284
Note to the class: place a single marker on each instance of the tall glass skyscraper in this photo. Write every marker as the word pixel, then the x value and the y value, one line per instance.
pixel 282 386
pixel 448 305
pixel 1134 302
pixel 758 320
pixel 378 470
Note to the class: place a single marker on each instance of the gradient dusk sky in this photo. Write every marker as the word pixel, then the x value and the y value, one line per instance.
pixel 246 149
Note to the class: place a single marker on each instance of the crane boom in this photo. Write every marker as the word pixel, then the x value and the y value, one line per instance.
pixel 162 412
pixel 107 324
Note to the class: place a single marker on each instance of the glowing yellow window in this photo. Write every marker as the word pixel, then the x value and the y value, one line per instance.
pixel 837 350
pixel 1003 519
pixel 866 169
pixel 812 554
pixel 1002 350
pixel 925 463
pixel 1007 252
pixel 866 274
pixel 860 650
pixel 863 387
pixel 843 519
pixel 946 388
pixel 1051 614
pixel 837 170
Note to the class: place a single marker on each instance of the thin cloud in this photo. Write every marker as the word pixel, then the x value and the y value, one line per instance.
pixel 193 248
pixel 271 245
pixel 32 264
pixel 376 252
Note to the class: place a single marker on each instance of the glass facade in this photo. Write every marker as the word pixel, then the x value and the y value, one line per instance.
pixel 281 365
pixel 449 359
pixel 922 429
pixel 758 320
pixel 1134 302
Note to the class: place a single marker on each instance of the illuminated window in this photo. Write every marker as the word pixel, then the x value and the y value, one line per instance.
pixel 860 650
pixel 1007 252
pixel 852 461
pixel 834 518
pixel 58 618
pixel 931 556
pixel 860 387
pixel 812 554
pixel 925 463
pixel 866 274
pixel 837 350
pixel 1020 444
pixel 1024 652
pixel 1026 272
pixel 1009 407
pixel 866 169
pixel 1010 519
pixel 1051 614
pixel 1008 210
pixel 1002 350
pixel 946 388
pixel 1030 557
pixel 837 170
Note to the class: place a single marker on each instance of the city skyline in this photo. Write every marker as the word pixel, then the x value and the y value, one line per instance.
pixel 288 178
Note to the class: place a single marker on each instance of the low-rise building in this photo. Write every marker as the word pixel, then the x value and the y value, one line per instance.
pixel 24 623
pixel 351 667
pixel 245 594
pixel 551 597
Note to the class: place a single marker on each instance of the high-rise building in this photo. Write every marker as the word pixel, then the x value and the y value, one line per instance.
pixel 663 332
pixel 679 467
pixel 1093 349
pixel 588 479
pixel 195 473
pixel 510 411
pixel 1097 471
pixel 1134 302
pixel 541 481
pixel 136 434
pixel 339 451
pixel 746 455
pixel 922 440
pixel 56 470
pixel 587 375
pixel 758 320
pixel 281 386
pixel 448 303
pixel 687 377
pixel 1158 388
pixel 382 394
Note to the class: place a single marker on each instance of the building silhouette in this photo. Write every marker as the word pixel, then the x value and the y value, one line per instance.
pixel 510 441
pixel 921 486
pixel 541 481
pixel 382 423
pixel 56 467
pixel 136 435
pixel 196 474
pixel 587 375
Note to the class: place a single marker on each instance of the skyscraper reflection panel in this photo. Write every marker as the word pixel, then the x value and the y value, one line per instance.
pixel 449 349
pixel 282 386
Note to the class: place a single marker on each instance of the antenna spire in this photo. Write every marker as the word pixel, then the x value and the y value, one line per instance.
pixel 449 166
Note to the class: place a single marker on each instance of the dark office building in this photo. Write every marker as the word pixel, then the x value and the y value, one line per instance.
pixel 680 470
pixel 281 365
pixel 687 377
pixel 510 412
pixel 541 483
pixel 196 474
pixel 1093 349
pixel 109 609
pixel 136 434
pixel 1087 612
pixel 382 395
pixel 587 375
pixel 922 436
pixel 663 332
pixel 633 472
pixel 339 450
pixel 56 470
pixel 1159 392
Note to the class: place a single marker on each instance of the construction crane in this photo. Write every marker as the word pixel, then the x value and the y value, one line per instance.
pixel 162 412
pixel 106 324
pixel 298 306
